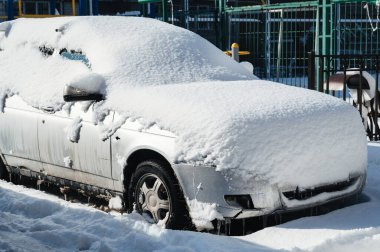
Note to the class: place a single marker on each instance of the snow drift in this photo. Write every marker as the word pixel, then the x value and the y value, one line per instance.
pixel 171 77
pixel 32 220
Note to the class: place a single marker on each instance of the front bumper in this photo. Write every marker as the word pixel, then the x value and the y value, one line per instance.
pixel 207 185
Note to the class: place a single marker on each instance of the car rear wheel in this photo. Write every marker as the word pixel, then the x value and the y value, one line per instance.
pixel 157 196
pixel 3 171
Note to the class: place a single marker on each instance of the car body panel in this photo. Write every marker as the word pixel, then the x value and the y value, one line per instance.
pixel 18 135
pixel 205 184
pixel 101 162
pixel 130 138
pixel 90 154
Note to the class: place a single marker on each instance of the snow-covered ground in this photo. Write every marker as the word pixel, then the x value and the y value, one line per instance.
pixel 32 220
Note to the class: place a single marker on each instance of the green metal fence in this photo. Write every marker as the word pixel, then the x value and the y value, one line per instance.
pixel 355 28
pixel 280 36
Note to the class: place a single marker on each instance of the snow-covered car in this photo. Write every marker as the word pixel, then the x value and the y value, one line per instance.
pixel 153 113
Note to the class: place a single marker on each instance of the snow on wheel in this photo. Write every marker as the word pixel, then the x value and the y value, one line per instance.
pixel 156 195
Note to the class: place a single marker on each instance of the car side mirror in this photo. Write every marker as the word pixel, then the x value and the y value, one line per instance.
pixel 71 94
pixel 89 87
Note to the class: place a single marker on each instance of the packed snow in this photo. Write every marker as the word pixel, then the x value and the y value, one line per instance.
pixel 68 162
pixel 115 203
pixel 73 130
pixel 202 214
pixel 92 83
pixel 167 76
pixel 32 220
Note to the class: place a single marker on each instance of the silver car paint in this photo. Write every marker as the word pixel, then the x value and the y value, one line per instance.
pixel 38 141
pixel 90 156
pixel 208 185
pixel 18 137
pixel 130 138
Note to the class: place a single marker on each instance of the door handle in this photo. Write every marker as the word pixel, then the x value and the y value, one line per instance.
pixel 49 110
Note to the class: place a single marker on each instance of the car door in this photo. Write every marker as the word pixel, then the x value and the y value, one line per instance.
pixel 19 134
pixel 71 146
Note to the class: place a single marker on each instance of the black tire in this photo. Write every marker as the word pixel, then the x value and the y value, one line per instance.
pixel 161 188
pixel 3 171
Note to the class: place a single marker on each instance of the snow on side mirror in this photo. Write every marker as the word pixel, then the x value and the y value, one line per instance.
pixel 89 87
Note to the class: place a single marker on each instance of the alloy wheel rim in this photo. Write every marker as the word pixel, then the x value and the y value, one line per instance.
pixel 153 198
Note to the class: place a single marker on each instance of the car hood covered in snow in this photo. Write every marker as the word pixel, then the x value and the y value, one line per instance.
pixel 282 134
pixel 166 76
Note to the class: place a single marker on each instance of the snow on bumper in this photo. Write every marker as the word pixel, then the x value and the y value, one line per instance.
pixel 298 199
pixel 206 185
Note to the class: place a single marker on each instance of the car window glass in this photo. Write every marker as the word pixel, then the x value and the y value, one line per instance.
pixel 75 55
pixel 67 54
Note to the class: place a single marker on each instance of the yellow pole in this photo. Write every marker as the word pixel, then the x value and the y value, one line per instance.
pixel 73 6
pixel 235 51
pixel 19 8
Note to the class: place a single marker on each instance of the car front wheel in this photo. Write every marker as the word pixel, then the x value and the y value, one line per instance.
pixel 157 196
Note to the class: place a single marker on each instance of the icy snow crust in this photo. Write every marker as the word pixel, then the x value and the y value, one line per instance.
pixel 165 75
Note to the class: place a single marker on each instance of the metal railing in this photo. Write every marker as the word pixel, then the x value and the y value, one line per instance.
pixel 353 78
pixel 279 36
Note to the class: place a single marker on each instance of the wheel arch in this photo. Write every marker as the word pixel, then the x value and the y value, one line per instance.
pixel 134 159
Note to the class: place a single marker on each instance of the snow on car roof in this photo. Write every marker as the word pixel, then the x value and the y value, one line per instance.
pixel 127 51
pixel 171 77
pixel 135 51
